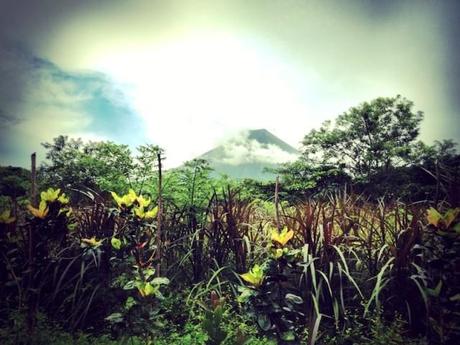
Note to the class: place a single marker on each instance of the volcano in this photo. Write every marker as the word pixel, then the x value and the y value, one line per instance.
pixel 250 154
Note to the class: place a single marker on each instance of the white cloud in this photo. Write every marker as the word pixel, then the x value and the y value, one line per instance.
pixel 39 101
pixel 196 71
pixel 201 74
pixel 241 149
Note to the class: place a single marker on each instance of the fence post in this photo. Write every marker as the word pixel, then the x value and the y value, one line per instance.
pixel 159 216
pixel 277 203
pixel 33 177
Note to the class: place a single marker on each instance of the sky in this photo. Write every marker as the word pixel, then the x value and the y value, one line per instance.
pixel 187 75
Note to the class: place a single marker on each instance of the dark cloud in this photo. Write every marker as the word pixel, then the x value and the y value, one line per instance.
pixel 451 23
pixel 29 20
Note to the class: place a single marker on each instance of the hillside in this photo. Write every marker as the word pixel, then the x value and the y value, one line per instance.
pixel 249 154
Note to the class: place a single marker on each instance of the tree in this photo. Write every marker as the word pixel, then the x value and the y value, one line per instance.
pixel 301 179
pixel 371 137
pixel 146 168
pixel 14 182
pixel 97 165
pixel 14 186
pixel 441 164
pixel 190 186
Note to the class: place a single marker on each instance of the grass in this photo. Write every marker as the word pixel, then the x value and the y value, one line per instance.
pixel 347 255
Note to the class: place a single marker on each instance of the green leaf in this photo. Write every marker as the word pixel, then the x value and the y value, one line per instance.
pixel 433 216
pixel 71 226
pixel 114 318
pixel 288 336
pixel 130 302
pixel 116 243
pixel 457 228
pixel 455 298
pixel 160 281
pixel 293 298
pixel 149 289
pixel 129 285
pixel 450 216
pixel 264 322
pixel 149 272
pixel 436 291
pixel 246 293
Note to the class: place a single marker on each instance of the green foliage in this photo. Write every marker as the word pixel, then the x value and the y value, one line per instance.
pixel 302 179
pixel 273 297
pixel 96 165
pixel 336 271
pixel 373 136
pixel 14 182
pixel 441 253
pixel 212 325
pixel 372 150
pixel 133 261
pixel 372 330
pixel 46 333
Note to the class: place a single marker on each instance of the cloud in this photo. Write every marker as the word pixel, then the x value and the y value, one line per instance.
pixel 39 101
pixel 241 149
pixel 238 64
pixel 189 72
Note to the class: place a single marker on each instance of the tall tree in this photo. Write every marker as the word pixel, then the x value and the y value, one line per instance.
pixel 98 165
pixel 371 137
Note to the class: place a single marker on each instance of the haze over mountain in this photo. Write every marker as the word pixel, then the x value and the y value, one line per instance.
pixel 194 71
pixel 248 154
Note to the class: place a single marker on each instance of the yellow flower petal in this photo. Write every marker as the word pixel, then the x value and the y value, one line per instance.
pixel 50 195
pixel 41 212
pixel 254 277
pixel 63 199
pixel 93 242
pixel 126 200
pixel 139 211
pixel 142 201
pixel 152 213
pixel 282 237
pixel 117 199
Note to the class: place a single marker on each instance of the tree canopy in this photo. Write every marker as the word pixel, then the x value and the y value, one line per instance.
pixel 372 136
pixel 101 165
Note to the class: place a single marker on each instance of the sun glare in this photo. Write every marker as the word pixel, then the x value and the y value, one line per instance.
pixel 203 80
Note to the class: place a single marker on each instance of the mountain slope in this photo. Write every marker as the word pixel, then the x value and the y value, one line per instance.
pixel 249 153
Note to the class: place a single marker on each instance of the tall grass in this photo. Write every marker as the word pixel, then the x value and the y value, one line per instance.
pixel 356 256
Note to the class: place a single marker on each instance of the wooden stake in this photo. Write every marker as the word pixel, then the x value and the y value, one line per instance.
pixel 277 203
pixel 33 176
pixel 30 297
pixel 159 215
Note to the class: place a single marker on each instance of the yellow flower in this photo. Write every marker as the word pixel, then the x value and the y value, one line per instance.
pixel 92 242
pixel 255 276
pixel 152 213
pixel 50 195
pixel 277 253
pixel 140 212
pixel 282 237
pixel 5 217
pixel 126 200
pixel 63 199
pixel 118 199
pixel 142 201
pixel 41 212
